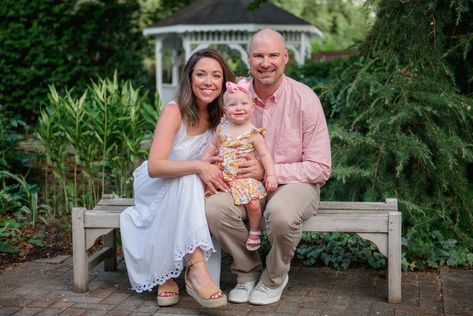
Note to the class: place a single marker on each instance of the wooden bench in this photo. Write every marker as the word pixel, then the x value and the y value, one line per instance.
pixel 379 222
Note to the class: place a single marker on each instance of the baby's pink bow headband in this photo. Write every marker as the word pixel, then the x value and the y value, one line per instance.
pixel 242 85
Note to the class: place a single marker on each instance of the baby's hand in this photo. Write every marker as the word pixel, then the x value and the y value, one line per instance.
pixel 270 183
pixel 214 158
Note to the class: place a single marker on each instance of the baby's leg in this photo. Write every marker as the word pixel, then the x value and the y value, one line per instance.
pixel 253 209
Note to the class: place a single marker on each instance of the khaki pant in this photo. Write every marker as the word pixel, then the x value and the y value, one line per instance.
pixel 286 209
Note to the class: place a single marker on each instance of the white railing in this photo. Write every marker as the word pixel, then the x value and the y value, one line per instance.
pixel 168 93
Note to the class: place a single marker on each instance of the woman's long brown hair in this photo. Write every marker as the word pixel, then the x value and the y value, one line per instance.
pixel 185 98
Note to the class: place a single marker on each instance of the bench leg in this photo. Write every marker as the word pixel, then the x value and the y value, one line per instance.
pixel 79 252
pixel 109 240
pixel 394 258
pixel 214 263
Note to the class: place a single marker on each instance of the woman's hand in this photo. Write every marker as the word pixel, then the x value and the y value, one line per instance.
pixel 212 177
pixel 249 167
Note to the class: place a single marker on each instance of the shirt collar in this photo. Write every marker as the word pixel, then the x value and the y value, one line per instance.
pixel 276 95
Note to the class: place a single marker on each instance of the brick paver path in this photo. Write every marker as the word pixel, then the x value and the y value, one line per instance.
pixel 43 288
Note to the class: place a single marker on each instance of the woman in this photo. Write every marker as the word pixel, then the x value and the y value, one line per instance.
pixel 167 223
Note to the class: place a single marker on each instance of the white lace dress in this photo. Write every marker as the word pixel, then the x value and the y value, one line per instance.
pixel 168 219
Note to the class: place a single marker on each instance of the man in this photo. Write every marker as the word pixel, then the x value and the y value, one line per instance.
pixel 298 140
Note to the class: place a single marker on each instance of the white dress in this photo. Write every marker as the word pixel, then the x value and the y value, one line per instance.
pixel 168 219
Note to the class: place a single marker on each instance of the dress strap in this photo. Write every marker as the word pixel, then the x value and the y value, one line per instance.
pixel 252 131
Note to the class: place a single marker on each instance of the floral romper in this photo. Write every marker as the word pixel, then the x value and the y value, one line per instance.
pixel 243 190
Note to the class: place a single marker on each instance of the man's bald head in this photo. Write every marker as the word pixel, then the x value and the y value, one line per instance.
pixel 267 57
pixel 268 35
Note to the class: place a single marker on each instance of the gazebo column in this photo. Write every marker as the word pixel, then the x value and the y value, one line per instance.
pixel 303 48
pixel 242 51
pixel 175 68
pixel 187 46
pixel 159 64
pixel 298 57
pixel 306 47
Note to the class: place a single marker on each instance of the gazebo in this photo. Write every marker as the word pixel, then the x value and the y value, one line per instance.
pixel 222 22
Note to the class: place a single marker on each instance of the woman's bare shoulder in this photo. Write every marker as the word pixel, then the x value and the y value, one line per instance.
pixel 170 118
pixel 171 112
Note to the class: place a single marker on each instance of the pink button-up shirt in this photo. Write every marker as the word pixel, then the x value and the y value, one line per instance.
pixel 296 133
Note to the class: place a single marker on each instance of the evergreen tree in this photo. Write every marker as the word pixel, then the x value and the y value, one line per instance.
pixel 343 22
pixel 401 124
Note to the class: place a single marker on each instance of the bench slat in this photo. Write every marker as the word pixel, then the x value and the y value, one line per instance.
pixel 361 223
pixel 93 219
pixel 120 208
pixel 347 223
pixel 109 208
pixel 324 205
pixel 117 201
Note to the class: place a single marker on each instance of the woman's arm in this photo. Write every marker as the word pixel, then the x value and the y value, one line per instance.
pixel 159 164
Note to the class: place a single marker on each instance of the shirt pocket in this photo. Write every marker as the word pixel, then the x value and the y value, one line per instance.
pixel 288 147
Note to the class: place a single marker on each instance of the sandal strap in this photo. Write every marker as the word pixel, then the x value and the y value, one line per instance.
pixel 191 262
pixel 208 290
pixel 168 288
pixel 253 243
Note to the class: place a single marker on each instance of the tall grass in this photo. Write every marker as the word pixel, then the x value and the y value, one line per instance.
pixel 92 143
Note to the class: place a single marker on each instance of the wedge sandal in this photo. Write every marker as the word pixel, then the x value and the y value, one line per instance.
pixel 203 295
pixel 168 300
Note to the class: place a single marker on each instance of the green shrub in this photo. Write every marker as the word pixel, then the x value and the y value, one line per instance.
pixel 10 157
pixel 65 43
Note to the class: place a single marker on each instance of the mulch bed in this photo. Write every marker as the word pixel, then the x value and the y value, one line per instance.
pixel 57 241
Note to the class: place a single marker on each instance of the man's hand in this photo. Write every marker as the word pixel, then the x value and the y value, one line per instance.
pixel 249 167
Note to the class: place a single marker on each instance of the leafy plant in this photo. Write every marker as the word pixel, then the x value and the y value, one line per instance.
pixel 28 199
pixel 433 249
pixel 9 236
pixel 93 142
pixel 10 202
pixel 338 250
pixel 12 236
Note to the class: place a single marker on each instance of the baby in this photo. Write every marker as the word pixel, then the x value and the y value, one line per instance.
pixel 235 136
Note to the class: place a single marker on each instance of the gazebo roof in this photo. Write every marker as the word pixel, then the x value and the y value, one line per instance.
pixel 221 15
pixel 225 23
